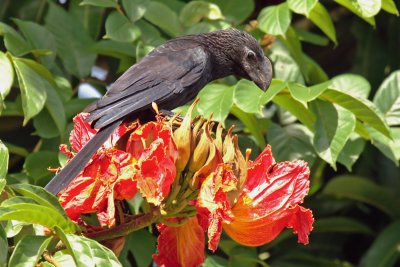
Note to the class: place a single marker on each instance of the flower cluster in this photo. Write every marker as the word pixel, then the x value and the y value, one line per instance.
pixel 195 177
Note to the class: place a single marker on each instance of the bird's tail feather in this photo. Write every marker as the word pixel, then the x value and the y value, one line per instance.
pixel 76 165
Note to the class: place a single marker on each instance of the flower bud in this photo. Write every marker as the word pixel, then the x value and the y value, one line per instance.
pixel 201 150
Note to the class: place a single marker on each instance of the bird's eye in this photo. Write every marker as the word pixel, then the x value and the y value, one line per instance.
pixel 251 55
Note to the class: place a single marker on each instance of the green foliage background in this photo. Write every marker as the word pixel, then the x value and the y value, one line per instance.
pixel 335 102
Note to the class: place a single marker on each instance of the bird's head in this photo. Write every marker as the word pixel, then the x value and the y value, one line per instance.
pixel 251 63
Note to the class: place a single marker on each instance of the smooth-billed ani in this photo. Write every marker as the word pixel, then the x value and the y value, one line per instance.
pixel 171 75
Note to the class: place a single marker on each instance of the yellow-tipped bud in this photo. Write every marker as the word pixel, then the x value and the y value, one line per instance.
pixel 201 150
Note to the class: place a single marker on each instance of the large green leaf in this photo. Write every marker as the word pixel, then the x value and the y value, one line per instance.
pixel 368 8
pixel 4 246
pixel 353 7
pixel 216 99
pixel 36 214
pixel 39 38
pixel 7 75
pixel 387 98
pixel 13 41
pixel 36 164
pixel 162 16
pixel 249 98
pixel 275 19
pixel 74 44
pixel 341 225
pixel 362 189
pixel 291 142
pixel 333 127
pixel 142 251
pixel 235 11
pixel 134 9
pixel 306 94
pixel 215 261
pixel 119 28
pixel 286 68
pixel 29 250
pixel 389 147
pixel 353 84
pixel 302 6
pixel 195 11
pixel 384 252
pixel 320 17
pixel 32 87
pixel 362 108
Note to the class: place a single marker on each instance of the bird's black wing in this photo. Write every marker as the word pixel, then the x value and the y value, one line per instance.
pixel 163 77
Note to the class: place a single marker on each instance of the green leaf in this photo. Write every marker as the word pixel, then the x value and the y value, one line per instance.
pixel 3 161
pixel 32 87
pixel 286 101
pixel 134 9
pixel 390 7
pixel 320 17
pixel 39 38
pixel 364 190
pixel 44 125
pixel 102 256
pixel 362 108
pixel 353 84
pixel 384 251
pixel 291 142
pixel 351 151
pixel 312 38
pixel 36 214
pixel 142 251
pixel 7 75
pixel 235 11
pixel 13 41
pixel 389 147
pixel 215 261
pixel 341 225
pixel 285 67
pixel 195 11
pixel 307 94
pixel 36 164
pixel 119 28
pixel 216 99
pixel 102 3
pixel 29 250
pixel 4 246
pixel 302 6
pixel 333 127
pixel 368 8
pixel 387 98
pixel 115 48
pixel 353 7
pixel 275 19
pixel 244 257
pixel 39 195
pixel 74 44
pixel 249 98
pixel 162 16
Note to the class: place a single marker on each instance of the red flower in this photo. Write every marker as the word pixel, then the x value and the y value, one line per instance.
pixel 268 203
pixel 180 246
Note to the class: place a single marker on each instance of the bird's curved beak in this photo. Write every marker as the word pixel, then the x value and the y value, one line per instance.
pixel 263 75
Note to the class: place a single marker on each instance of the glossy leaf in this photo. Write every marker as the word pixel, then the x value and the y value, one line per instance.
pixel 368 8
pixel 4 245
pixel 102 3
pixel 243 257
pixel 36 164
pixel 387 98
pixel 142 251
pixel 195 11
pixel 32 86
pixel 351 151
pixel 119 28
pixel 285 67
pixel 215 261
pixel 352 6
pixel 320 17
pixel 13 41
pixel 389 147
pixel 384 251
pixel 333 127
pixel 162 16
pixel 363 109
pixel 134 9
pixel 291 142
pixel 216 99
pixel 390 7
pixel 74 44
pixel 364 190
pixel 275 19
pixel 235 11
pixel 302 6
pixel 305 94
pixel 29 250
pixel 353 84
pixel 7 75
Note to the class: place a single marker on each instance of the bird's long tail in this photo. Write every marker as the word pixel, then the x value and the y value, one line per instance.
pixel 76 165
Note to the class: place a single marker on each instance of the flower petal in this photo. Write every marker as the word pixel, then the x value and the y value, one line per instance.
pixel 301 222
pixel 181 246
pixel 82 132
pixel 268 203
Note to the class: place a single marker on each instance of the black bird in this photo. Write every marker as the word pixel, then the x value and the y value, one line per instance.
pixel 171 75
